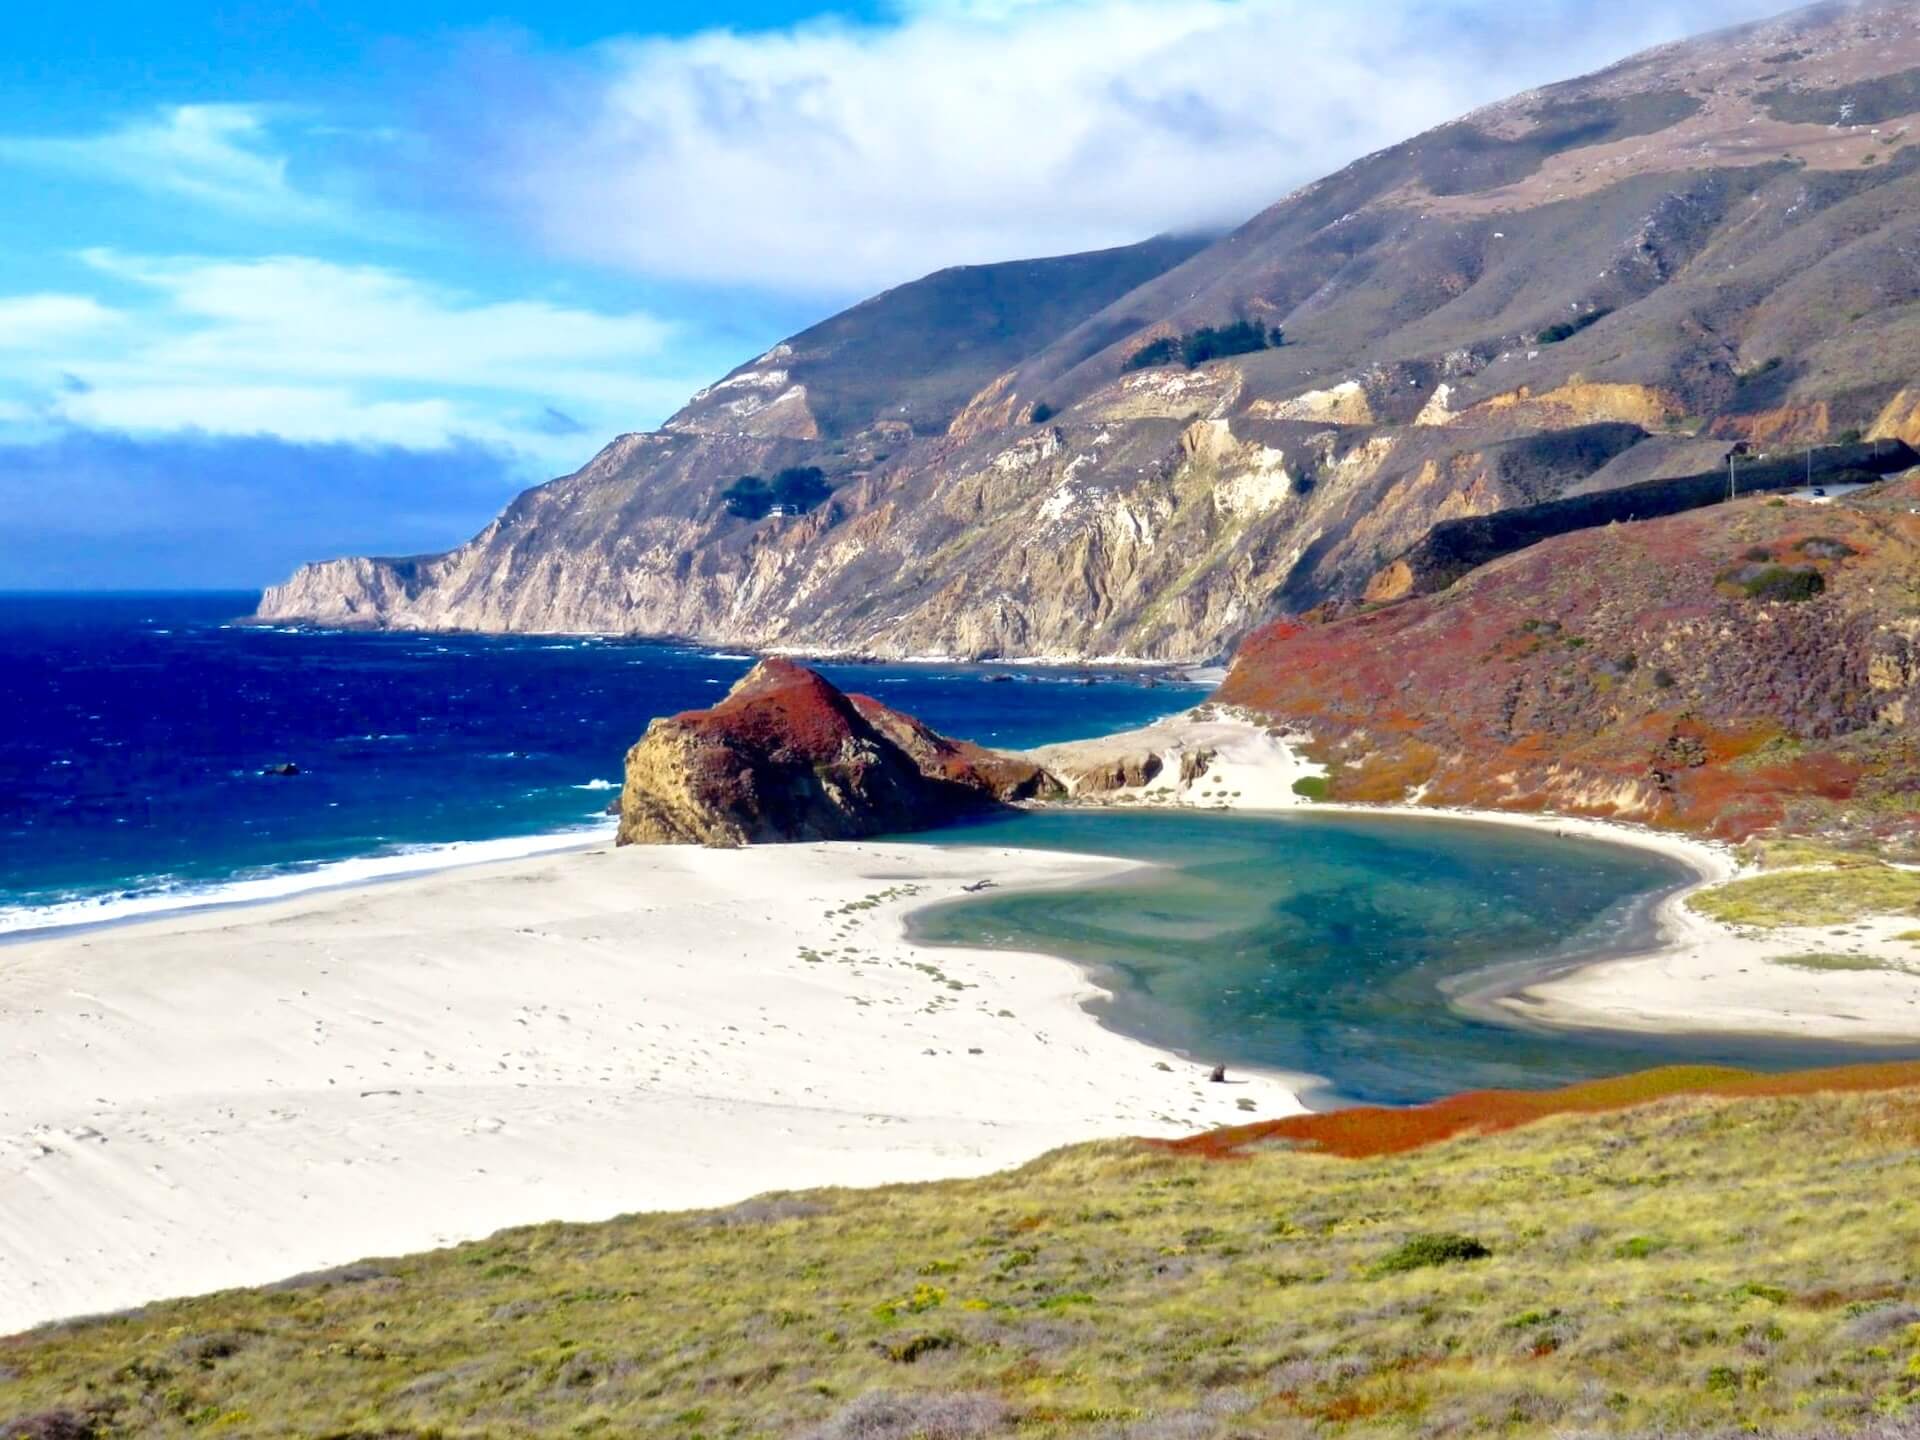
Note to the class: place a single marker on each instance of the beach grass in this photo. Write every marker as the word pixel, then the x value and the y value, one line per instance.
pixel 1828 960
pixel 1693 1264
pixel 1828 892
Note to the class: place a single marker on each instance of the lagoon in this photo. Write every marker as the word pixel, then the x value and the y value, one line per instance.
pixel 1332 944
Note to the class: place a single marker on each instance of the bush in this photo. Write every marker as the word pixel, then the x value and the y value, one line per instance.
pixel 798 488
pixel 1210 342
pixel 1781 582
pixel 1638 1247
pixel 748 497
pixel 1567 329
pixel 1041 413
pixel 1423 1251
pixel 1242 337
pixel 1825 547
pixel 1311 787
pixel 1163 351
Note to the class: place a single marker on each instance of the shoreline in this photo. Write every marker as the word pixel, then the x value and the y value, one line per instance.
pixel 225 1097
pixel 20 923
pixel 225 1094
pixel 1689 976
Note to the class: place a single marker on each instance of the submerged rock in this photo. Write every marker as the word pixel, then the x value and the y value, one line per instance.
pixel 786 756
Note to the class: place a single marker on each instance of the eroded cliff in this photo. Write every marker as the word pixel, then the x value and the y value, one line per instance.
pixel 1600 283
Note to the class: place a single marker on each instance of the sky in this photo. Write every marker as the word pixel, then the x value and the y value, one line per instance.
pixel 287 279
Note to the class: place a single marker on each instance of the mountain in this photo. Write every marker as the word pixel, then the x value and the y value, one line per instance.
pixel 1592 285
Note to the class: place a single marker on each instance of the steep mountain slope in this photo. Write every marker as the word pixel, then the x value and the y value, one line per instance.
pixel 1598 283
pixel 1735 669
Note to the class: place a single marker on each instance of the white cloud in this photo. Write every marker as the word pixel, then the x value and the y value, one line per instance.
pixel 30 321
pixel 836 157
pixel 221 156
pixel 310 351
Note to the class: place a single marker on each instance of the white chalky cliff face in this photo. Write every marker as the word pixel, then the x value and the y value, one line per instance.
pixel 1596 284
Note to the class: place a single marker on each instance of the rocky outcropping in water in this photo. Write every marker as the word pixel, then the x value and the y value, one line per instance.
pixel 786 756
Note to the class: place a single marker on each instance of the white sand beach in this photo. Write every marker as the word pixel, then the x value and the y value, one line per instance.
pixel 231 1096
pixel 226 1097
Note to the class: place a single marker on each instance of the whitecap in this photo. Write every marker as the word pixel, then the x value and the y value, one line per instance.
pixel 166 894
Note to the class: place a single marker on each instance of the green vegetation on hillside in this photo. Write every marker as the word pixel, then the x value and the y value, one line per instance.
pixel 1209 342
pixel 1693 1265
pixel 1567 329
pixel 796 489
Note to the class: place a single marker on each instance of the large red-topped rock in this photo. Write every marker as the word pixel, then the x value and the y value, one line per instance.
pixel 787 756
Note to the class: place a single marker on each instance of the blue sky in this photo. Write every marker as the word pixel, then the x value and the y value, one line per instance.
pixel 294 278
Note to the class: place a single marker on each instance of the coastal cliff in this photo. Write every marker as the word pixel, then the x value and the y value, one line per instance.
pixel 1593 285
pixel 786 756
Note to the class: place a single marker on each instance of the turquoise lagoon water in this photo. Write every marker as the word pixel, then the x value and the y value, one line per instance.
pixel 1333 944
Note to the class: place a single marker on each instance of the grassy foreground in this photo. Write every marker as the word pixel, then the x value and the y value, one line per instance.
pixel 1697 1263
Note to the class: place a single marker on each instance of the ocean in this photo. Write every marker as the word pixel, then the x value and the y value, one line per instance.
pixel 138 746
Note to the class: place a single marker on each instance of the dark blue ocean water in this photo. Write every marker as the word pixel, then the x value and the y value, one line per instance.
pixel 136 728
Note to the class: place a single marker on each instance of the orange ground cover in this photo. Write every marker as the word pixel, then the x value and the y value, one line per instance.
pixel 1369 1130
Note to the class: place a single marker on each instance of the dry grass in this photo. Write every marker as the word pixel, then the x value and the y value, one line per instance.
pixel 1690 1265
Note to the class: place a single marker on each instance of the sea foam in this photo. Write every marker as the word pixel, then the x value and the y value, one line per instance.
pixel 163 896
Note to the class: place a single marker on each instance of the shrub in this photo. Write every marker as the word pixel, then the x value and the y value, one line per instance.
pixel 798 488
pixel 1638 1247
pixel 1041 413
pixel 1567 329
pixel 1788 583
pixel 1423 1251
pixel 1311 787
pixel 801 486
pixel 1209 342
pixel 748 497
pixel 1163 351
pixel 1663 679
pixel 1825 547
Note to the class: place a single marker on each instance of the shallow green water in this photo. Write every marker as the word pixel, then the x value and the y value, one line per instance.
pixel 1322 943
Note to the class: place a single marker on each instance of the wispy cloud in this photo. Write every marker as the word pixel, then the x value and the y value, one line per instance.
pixel 224 157
pixel 312 351
pixel 28 322
pixel 834 157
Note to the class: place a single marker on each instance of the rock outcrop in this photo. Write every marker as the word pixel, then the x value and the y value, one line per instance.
pixel 1603 282
pixel 786 756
